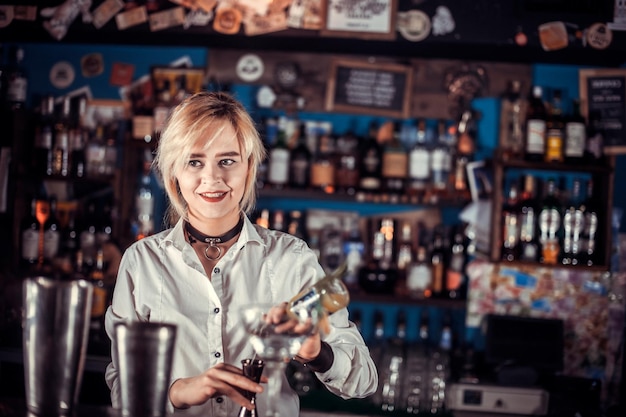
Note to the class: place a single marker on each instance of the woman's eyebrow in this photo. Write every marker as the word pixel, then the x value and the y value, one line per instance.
pixel 197 155
pixel 229 153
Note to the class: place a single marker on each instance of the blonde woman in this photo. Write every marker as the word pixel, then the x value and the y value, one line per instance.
pixel 213 261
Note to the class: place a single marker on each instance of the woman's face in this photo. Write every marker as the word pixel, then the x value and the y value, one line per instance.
pixel 213 183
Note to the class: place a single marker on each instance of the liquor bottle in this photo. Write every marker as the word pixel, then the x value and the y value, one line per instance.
pixel 144 201
pixel 17 79
pixel 87 237
pixel 331 248
pixel 30 238
pixel 419 275
pixel 354 251
pixel 43 137
pixel 110 152
pixel 347 172
pixel 550 224
pixel 379 275
pixel 323 298
pixel 78 137
pixel 300 161
pixel 52 232
pixel 278 169
pixel 419 161
pixel 594 148
pixel 466 146
pixel 423 331
pixel 455 273
pixel 100 298
pixel 438 262
pixel 395 162
pixel 405 248
pixel 440 161
pixel 510 225
pixel 296 226
pixel 512 113
pixel 267 131
pixel 371 161
pixel 528 213
pixel 590 230
pixel 535 126
pixel 61 150
pixel 323 165
pixel 575 136
pixel 95 153
pixel 555 130
pixel 104 225
pixel 573 226
pixel 70 243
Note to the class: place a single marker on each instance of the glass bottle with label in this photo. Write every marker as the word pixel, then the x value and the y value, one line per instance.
pixel 455 273
pixel 440 161
pixel 395 162
pixel 354 251
pixel 512 113
pixel 510 225
pixel 419 275
pixel 61 152
pixel 43 136
pixel 550 224
pixel 590 230
pixel 555 130
pixel 535 126
pixel 528 213
pixel 323 165
pixel 419 161
pixel 278 169
pixel 17 79
pixel 379 274
pixel 300 160
pixel 573 226
pixel 575 136
pixel 438 262
pixel 78 136
pixel 30 238
pixel 347 172
pixel 52 232
pixel 371 161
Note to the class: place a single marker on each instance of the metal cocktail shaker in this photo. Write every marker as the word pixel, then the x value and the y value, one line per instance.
pixel 55 331
pixel 145 351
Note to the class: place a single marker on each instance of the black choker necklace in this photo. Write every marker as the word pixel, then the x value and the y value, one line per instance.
pixel 197 236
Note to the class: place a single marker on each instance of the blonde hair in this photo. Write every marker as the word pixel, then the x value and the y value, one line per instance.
pixel 201 118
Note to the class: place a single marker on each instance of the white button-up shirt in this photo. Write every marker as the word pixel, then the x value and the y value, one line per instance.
pixel 160 279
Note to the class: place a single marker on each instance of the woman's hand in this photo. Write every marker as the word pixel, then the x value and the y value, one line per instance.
pixel 311 346
pixel 221 380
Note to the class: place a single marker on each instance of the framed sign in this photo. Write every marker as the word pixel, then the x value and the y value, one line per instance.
pixel 370 88
pixel 360 19
pixel 603 103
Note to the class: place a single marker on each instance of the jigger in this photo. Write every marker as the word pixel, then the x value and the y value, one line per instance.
pixel 55 330
pixel 253 369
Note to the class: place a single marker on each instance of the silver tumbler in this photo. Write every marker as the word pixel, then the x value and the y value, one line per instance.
pixel 55 331
pixel 145 352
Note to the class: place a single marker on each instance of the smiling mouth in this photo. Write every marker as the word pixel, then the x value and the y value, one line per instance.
pixel 213 195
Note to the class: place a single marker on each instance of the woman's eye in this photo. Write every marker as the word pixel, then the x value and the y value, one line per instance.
pixel 227 162
pixel 195 163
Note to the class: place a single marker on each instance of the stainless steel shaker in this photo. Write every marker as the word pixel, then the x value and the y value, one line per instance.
pixel 145 353
pixel 55 331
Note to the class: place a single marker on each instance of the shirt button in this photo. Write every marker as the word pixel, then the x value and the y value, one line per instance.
pixel 216 271
pixel 216 310
pixel 219 400
pixel 217 354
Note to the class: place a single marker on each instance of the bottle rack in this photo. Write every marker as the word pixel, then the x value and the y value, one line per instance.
pixel 602 174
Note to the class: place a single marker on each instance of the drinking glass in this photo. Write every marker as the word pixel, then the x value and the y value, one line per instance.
pixel 273 345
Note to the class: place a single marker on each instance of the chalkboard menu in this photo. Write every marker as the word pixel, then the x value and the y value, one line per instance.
pixel 603 94
pixel 363 87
